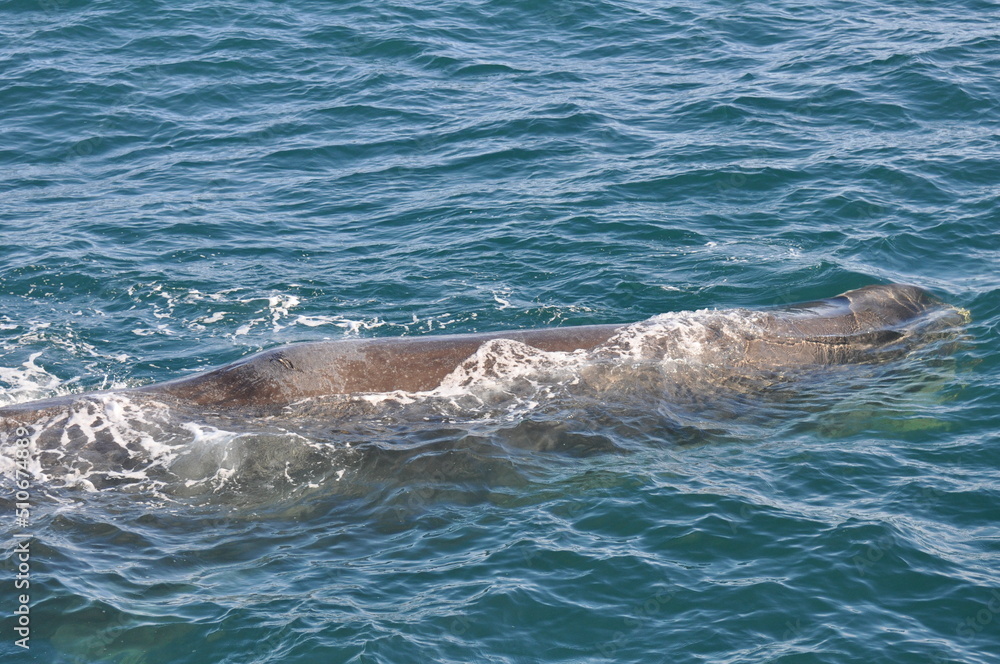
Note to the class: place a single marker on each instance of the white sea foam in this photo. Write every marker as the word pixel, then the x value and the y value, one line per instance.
pixel 214 318
pixel 689 337
pixel 501 297
pixel 686 337
pixel 29 382
pixel 210 457
pixel 499 362
pixel 94 439
pixel 351 327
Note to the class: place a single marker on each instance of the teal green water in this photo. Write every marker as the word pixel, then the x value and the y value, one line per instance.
pixel 187 183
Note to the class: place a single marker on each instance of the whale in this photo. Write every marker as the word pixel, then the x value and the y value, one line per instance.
pixel 305 408
pixel 868 324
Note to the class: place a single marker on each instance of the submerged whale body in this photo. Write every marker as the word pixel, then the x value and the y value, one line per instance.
pixel 862 325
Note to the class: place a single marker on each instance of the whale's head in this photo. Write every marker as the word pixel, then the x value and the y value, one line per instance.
pixel 904 308
pixel 868 324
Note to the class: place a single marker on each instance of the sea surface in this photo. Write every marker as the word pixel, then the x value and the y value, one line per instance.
pixel 187 183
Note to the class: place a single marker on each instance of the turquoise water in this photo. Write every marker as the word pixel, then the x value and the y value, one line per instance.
pixel 186 184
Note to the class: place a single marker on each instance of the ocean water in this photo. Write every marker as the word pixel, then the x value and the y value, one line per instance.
pixel 185 184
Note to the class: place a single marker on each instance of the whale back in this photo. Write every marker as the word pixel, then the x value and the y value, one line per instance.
pixel 864 325
pixel 300 371
pixel 851 327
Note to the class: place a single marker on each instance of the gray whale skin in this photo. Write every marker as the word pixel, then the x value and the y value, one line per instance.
pixel 852 327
